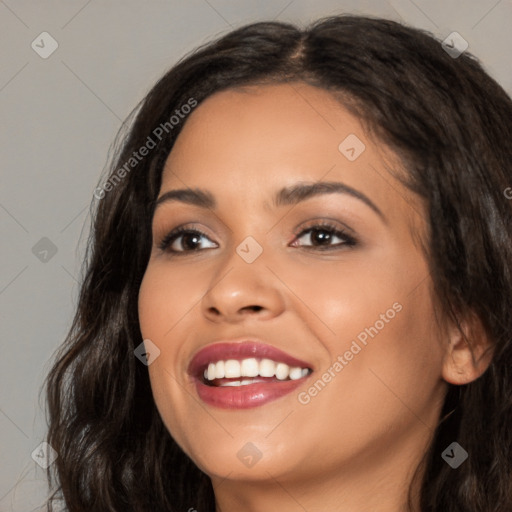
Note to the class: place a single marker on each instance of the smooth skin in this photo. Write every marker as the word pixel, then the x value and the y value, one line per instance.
pixel 354 446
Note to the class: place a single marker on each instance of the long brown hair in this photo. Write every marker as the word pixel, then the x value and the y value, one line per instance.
pixel 450 123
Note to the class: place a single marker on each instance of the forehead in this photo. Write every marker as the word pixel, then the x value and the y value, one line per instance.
pixel 255 115
pixel 244 142
pixel 266 128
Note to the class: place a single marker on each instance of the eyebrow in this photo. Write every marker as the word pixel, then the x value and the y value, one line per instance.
pixel 286 196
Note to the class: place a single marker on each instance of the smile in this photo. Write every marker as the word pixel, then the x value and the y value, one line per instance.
pixel 244 375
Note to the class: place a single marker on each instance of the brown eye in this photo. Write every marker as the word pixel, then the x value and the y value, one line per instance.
pixel 190 240
pixel 321 236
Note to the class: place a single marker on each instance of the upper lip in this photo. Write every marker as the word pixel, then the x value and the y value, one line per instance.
pixel 240 349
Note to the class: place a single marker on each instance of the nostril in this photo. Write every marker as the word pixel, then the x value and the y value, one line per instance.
pixel 254 308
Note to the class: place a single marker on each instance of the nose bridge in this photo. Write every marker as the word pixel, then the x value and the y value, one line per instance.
pixel 250 250
pixel 243 283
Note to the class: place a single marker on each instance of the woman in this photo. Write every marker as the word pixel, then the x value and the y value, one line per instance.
pixel 298 290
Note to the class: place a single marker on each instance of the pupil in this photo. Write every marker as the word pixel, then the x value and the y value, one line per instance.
pixel 193 237
pixel 322 238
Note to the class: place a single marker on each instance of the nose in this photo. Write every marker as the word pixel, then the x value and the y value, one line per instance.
pixel 242 290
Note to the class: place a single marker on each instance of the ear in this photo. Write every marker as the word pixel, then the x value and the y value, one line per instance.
pixel 469 352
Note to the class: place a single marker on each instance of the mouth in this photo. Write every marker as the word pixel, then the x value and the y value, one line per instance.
pixel 245 374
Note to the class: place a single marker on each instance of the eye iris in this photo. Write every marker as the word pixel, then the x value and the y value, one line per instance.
pixel 194 237
pixel 322 235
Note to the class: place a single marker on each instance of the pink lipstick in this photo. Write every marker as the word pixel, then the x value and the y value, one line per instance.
pixel 240 375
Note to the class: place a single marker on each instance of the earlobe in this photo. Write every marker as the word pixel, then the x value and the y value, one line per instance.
pixel 468 353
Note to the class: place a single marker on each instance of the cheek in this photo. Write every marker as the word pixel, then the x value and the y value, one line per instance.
pixel 164 299
pixel 161 305
pixel 152 295
pixel 388 386
pixel 345 298
pixel 378 315
pixel 395 372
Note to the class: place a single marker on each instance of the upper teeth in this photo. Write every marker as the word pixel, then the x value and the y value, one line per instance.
pixel 252 368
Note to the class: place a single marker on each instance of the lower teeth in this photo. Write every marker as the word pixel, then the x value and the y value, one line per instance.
pixel 243 382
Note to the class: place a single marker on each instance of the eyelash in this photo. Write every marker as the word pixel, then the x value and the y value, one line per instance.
pixel 349 240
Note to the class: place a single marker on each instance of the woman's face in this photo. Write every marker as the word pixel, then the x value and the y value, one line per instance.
pixel 351 301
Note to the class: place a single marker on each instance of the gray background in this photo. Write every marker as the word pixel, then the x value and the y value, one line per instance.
pixel 59 118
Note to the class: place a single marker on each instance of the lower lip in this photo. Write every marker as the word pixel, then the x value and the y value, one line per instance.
pixel 245 397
